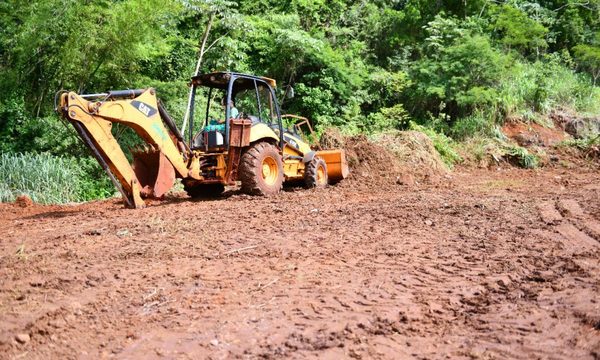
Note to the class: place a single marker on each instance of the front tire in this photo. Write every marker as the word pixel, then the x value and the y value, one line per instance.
pixel 315 173
pixel 261 170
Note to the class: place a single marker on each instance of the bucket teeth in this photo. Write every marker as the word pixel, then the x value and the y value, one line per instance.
pixel 144 149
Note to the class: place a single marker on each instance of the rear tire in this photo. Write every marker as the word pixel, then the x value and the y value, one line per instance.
pixel 204 191
pixel 261 170
pixel 315 173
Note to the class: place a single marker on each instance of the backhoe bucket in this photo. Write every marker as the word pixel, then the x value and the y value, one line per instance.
pixel 337 167
pixel 154 172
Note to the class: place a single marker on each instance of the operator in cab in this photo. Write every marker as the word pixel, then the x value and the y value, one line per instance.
pixel 233 111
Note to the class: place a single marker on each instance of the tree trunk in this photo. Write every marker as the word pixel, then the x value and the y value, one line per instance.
pixel 198 64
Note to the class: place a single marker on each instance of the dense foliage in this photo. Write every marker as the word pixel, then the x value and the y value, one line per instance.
pixel 458 67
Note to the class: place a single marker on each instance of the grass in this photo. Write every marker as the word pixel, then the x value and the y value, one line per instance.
pixel 478 124
pixel 537 88
pixel 20 253
pixel 481 150
pixel 486 150
pixel 47 179
pixel 44 178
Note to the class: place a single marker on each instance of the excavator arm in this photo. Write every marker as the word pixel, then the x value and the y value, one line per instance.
pixel 154 169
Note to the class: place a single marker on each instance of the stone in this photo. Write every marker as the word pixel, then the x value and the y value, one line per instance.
pixel 22 338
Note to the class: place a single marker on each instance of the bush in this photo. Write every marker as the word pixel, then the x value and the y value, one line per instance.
pixel 93 183
pixel 477 124
pixel 394 117
pixel 47 179
pixel 460 71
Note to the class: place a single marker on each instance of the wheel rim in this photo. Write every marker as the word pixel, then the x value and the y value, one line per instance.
pixel 270 170
pixel 321 176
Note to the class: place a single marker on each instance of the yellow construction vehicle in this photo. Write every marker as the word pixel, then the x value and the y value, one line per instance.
pixel 249 145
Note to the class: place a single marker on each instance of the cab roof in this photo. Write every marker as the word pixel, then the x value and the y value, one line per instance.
pixel 221 79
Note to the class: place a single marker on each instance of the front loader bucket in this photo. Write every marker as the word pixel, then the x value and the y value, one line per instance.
pixel 154 172
pixel 337 167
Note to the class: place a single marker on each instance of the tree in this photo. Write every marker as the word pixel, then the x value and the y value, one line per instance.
pixel 518 31
pixel 588 57
pixel 217 10
pixel 80 45
pixel 459 72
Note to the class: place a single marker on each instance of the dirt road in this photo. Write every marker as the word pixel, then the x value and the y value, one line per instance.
pixel 486 264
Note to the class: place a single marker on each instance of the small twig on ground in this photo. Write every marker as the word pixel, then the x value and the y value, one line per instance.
pixel 147 308
pixel 262 287
pixel 240 249
pixel 339 258
pixel 146 297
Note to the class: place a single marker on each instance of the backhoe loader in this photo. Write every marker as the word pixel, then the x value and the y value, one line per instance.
pixel 250 145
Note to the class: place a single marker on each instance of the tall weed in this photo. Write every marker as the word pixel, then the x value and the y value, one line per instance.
pixel 539 87
pixel 48 179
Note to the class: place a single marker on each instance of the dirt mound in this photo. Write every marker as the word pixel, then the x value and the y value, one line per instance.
pixel 415 150
pixel 401 157
pixel 24 201
pixel 370 163
pixel 332 138
pixel 553 143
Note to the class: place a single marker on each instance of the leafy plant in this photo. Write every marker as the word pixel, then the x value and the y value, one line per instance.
pixel 459 72
pixel 522 157
pixel 588 56
pixel 518 31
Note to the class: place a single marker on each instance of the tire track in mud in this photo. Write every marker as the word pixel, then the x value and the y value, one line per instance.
pixel 577 230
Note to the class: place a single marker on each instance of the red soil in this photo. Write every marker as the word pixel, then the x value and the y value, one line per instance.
pixel 501 264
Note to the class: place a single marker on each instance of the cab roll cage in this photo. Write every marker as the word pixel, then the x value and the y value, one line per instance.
pixel 226 82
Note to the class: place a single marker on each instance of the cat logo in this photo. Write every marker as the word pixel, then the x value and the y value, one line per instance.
pixel 144 108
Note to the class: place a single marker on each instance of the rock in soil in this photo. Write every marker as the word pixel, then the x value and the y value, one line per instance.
pixel 22 338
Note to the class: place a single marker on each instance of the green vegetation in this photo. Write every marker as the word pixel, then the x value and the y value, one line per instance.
pixel 523 157
pixel 49 179
pixel 454 69
pixel 444 145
